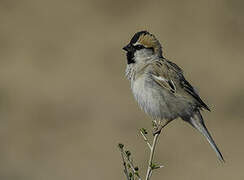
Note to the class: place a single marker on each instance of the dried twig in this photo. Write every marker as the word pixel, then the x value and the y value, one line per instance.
pixel 152 166
pixel 130 166
pixel 143 133
pixel 131 172
pixel 121 146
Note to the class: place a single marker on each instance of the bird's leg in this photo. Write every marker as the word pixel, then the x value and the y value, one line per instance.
pixel 159 127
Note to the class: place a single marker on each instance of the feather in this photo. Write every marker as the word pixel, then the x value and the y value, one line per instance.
pixel 170 76
pixel 197 122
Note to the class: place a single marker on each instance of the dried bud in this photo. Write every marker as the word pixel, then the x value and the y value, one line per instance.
pixel 128 165
pixel 153 166
pixel 120 145
pixel 128 153
pixel 143 130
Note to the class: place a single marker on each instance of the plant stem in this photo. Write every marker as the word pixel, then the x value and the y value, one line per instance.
pixel 125 166
pixel 132 166
pixel 146 140
pixel 149 169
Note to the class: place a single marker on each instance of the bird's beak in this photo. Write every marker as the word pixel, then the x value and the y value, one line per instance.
pixel 128 48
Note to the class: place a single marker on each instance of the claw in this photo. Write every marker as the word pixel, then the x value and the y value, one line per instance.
pixel 159 128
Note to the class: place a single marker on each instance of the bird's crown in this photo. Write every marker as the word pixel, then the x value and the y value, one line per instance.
pixel 148 40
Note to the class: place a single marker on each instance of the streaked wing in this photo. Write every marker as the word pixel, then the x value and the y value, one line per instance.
pixel 167 84
pixel 170 76
pixel 161 75
pixel 190 89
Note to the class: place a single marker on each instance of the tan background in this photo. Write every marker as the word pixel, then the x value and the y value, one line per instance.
pixel 65 103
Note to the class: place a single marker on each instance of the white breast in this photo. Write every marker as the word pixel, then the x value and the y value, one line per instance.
pixel 151 98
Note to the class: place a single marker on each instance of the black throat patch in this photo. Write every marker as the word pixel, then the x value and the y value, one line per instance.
pixel 130 57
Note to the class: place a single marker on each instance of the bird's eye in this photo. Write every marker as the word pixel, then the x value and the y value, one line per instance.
pixel 139 46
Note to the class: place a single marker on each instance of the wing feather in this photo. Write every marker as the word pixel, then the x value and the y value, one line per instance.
pixel 170 76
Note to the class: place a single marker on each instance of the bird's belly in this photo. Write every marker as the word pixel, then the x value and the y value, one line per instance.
pixel 154 100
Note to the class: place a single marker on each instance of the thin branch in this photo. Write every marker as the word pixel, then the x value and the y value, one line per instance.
pixel 150 162
pixel 161 166
pixel 150 174
pixel 124 164
pixel 130 170
pixel 145 139
pixel 132 166
pixel 133 173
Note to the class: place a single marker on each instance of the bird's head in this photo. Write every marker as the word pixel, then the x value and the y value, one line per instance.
pixel 142 47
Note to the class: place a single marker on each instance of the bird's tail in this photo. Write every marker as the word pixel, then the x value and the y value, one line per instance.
pixel 197 122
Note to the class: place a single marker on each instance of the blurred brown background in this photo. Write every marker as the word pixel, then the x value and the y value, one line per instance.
pixel 65 102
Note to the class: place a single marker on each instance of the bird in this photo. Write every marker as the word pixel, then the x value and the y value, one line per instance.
pixel 160 88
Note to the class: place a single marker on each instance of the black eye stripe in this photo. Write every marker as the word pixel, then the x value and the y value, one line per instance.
pixel 138 47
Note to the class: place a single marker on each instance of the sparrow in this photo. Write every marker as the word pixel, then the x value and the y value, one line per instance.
pixel 160 87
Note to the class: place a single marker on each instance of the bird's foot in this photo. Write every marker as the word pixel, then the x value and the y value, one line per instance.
pixel 158 126
pixel 157 130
